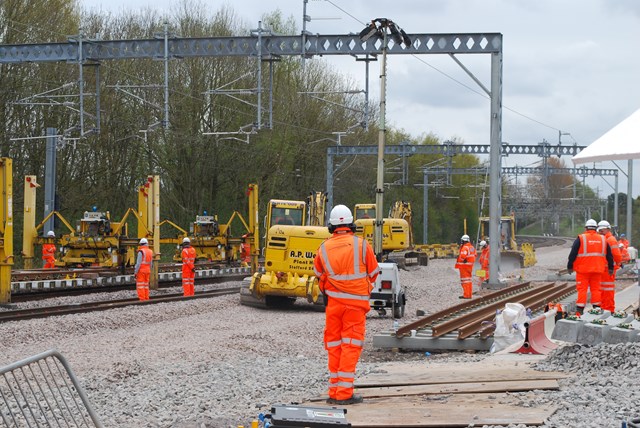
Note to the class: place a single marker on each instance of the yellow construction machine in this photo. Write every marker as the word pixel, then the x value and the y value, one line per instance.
pixel 512 256
pixel 96 242
pixel 295 230
pixel 397 233
pixel 213 241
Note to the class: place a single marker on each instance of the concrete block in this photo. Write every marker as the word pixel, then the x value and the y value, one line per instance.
pixel 592 334
pixel 621 335
pixel 567 330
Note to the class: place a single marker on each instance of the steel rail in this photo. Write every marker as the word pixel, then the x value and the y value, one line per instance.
pixel 461 307
pixel 534 301
pixel 486 312
pixel 23 314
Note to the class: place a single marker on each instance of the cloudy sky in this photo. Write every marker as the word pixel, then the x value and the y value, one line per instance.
pixel 569 66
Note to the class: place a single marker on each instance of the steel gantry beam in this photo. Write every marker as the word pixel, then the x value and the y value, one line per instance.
pixel 191 47
pixel 449 148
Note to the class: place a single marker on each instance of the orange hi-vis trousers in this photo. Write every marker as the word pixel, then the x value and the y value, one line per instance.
pixel 343 339
pixel 188 281
pixel 608 291
pixel 142 285
pixel 466 281
pixel 591 282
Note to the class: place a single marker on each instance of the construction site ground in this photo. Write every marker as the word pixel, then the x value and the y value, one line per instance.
pixel 211 363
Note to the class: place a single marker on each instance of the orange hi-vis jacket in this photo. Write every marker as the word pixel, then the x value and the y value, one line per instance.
pixel 467 256
pixel 147 258
pixel 49 252
pixel 346 267
pixel 188 260
pixel 484 258
pixel 591 257
pixel 615 250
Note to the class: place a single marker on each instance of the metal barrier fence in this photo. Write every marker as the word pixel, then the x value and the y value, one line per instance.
pixel 43 391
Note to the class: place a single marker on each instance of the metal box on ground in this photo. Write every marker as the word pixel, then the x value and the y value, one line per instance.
pixel 292 416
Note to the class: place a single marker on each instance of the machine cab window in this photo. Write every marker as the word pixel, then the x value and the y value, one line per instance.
pixel 286 216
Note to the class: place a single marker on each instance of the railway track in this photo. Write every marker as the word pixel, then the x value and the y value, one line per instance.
pixel 468 326
pixel 42 312
pixel 89 280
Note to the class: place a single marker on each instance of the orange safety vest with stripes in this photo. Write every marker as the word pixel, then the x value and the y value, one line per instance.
pixel 147 258
pixel 615 250
pixel 484 257
pixel 49 252
pixel 467 256
pixel 188 258
pixel 346 267
pixel 592 253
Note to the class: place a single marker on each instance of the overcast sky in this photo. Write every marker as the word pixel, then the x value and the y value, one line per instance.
pixel 569 65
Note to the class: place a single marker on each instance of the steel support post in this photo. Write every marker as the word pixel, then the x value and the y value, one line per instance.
pixel 382 133
pixel 495 156
pixel 50 179
pixel 629 199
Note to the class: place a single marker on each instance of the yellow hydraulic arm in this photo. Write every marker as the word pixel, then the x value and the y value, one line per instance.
pixel 6 228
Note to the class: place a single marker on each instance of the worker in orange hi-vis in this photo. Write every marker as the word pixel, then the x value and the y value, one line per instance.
pixel 346 267
pixel 623 245
pixel 484 260
pixel 188 268
pixel 464 263
pixel 589 257
pixel 607 281
pixel 144 262
pixel 49 251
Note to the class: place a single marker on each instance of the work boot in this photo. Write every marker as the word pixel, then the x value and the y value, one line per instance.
pixel 331 400
pixel 579 310
pixel 355 399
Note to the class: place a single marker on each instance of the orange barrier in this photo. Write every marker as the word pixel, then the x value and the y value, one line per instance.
pixel 535 339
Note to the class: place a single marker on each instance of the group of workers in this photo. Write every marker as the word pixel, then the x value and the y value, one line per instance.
pixel 465 261
pixel 595 257
pixel 144 264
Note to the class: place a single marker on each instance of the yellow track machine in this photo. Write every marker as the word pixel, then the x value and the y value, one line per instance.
pixel 294 233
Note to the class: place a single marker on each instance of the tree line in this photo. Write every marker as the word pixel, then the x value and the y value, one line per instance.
pixel 198 171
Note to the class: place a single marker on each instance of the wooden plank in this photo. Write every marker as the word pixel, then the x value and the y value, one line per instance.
pixel 423 374
pixel 458 410
pixel 459 388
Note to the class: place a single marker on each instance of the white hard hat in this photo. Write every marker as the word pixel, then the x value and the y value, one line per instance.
pixel 340 214
pixel 483 243
pixel 591 224
pixel 604 224
pixel 144 241
pixel 51 234
pixel 465 238
pixel 186 240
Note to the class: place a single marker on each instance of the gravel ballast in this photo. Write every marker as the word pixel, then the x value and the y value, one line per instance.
pixel 214 363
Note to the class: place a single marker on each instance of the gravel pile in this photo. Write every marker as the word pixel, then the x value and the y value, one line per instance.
pixel 214 363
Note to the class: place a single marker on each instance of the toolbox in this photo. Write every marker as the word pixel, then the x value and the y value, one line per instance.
pixel 294 416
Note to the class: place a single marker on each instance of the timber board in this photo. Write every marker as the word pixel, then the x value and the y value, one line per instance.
pixel 460 388
pixel 457 410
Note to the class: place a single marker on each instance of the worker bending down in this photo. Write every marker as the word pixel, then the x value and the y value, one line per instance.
pixel 464 263
pixel 590 256
pixel 49 251
pixel 346 267
pixel 144 262
pixel 188 268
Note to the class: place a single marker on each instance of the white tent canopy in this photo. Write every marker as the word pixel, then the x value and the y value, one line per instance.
pixel 621 142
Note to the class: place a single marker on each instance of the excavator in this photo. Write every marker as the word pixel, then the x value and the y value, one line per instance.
pixel 512 256
pixel 295 230
pixel 397 233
